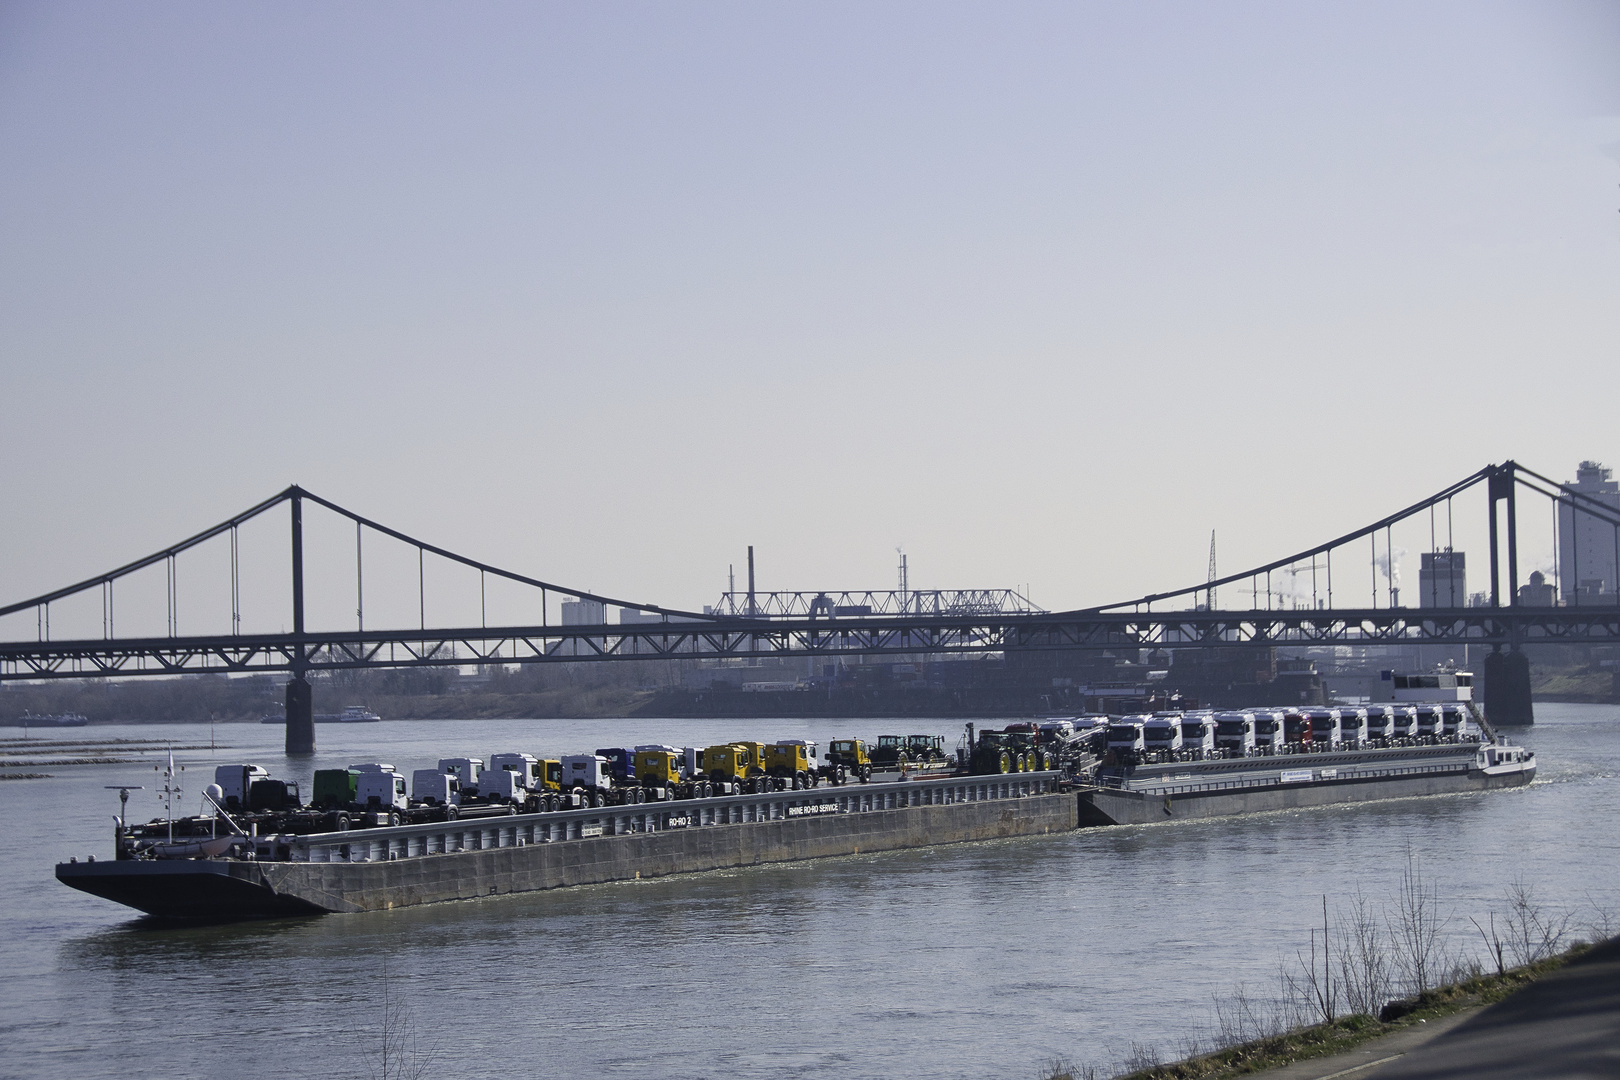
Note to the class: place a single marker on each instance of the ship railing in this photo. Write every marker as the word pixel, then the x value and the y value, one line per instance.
pixel 1341 774
pixel 520 830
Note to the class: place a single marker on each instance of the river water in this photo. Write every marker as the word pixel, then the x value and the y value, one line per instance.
pixel 976 960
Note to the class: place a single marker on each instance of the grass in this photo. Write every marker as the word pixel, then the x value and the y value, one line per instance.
pixel 1344 1033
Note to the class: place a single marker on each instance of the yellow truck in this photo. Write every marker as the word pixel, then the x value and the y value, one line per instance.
pixel 847 758
pixel 730 767
pixel 792 762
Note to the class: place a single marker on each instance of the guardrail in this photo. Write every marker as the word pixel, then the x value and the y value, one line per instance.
pixel 519 830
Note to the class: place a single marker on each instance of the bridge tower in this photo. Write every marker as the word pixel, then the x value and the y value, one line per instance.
pixel 1507 674
pixel 300 700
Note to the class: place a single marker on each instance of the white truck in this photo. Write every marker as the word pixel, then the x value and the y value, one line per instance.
pixel 380 789
pixel 589 775
pixel 1234 734
pixel 1352 727
pixel 1270 732
pixel 236 782
pixel 1380 724
pixel 436 787
pixel 1125 741
pixel 466 770
pixel 1161 737
pixel 1198 736
pixel 1403 724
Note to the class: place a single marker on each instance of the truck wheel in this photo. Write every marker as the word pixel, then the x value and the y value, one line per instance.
pixel 451 813
pixel 393 817
pixel 798 781
pixel 342 823
pixel 511 809
pixel 866 774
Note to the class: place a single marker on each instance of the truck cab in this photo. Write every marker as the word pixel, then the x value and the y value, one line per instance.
pixel 1453 723
pixel 236 781
pixel 1161 737
pixel 1324 724
pixel 792 760
pixel 1298 732
pixel 1268 732
pixel 621 763
pixel 1198 736
pixel 1234 734
pixel 849 757
pixel 1428 723
pixel 380 787
pixel 589 773
pixel 1125 740
pixel 1403 724
pixel 467 772
pixel 728 766
pixel 1380 723
pixel 658 770
pixel 1352 727
pixel 526 767
pixel 436 787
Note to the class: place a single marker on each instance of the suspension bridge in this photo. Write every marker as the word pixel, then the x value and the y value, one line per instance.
pixel 1292 601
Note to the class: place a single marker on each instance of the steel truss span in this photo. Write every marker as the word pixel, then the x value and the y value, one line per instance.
pixel 805 638
pixel 806 625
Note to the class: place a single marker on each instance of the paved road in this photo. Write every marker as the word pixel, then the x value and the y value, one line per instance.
pixel 1566 1025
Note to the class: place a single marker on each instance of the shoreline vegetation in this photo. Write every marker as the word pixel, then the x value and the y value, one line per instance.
pixel 1367 970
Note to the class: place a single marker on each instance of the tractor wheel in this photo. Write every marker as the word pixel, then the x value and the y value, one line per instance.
pixel 1005 762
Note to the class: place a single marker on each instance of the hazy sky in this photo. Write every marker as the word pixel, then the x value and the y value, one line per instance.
pixel 1042 293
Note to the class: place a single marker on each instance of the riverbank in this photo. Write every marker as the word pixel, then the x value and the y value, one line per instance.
pixel 1353 1042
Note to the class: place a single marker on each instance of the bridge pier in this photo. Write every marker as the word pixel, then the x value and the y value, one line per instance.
pixel 300 717
pixel 1507 689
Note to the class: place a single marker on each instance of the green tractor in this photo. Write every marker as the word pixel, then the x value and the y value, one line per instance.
pixel 1008 752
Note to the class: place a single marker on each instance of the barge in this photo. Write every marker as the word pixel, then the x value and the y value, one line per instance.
pixel 388 867
pixel 1216 788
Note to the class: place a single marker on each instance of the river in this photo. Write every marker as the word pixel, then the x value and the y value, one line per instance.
pixel 977 960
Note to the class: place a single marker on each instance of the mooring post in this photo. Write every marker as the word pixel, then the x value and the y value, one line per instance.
pixel 300 699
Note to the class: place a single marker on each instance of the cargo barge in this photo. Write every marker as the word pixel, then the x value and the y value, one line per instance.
pixel 382 868
pixel 1200 789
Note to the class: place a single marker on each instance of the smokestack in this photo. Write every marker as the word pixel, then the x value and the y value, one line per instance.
pixel 751 609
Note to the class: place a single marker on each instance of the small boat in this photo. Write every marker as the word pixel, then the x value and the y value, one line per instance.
pixel 195 849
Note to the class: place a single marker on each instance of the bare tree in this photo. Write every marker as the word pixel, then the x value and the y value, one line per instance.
pixel 1532 932
pixel 1603 923
pixel 1493 941
pixel 1364 961
pixel 399 1053
pixel 1416 928
pixel 1311 986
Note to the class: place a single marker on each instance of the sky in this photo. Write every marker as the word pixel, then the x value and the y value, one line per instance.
pixel 1041 293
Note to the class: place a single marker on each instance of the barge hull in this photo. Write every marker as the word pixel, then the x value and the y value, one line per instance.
pixel 1106 806
pixel 216 889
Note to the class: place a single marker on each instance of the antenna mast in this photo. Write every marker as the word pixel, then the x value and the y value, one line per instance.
pixel 1209 593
